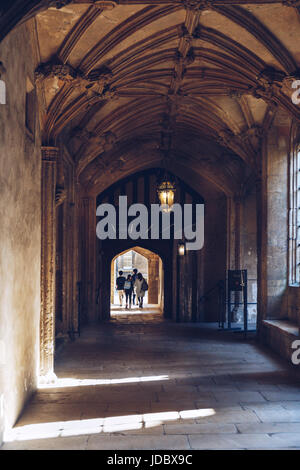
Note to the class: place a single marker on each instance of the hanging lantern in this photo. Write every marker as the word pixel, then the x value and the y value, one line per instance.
pixel 166 193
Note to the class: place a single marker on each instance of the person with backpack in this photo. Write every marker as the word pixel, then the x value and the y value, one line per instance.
pixel 128 288
pixel 120 286
pixel 141 287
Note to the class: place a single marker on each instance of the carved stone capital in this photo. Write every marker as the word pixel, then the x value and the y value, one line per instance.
pixel 63 72
pixel 226 137
pixel 270 76
pixel 50 154
pixel 234 94
pixel 197 5
pixel 269 84
pixel 109 139
pixel 95 84
pixel 287 82
pixel 253 132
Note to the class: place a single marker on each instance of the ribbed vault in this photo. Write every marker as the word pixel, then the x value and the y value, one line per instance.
pixel 122 82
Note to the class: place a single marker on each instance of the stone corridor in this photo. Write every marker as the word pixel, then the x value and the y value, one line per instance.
pixel 139 382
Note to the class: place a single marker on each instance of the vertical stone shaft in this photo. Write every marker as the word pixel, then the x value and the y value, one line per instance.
pixel 88 256
pixel 47 335
pixel 153 279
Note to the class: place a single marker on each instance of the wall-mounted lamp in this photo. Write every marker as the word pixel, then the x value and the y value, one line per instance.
pixel 181 249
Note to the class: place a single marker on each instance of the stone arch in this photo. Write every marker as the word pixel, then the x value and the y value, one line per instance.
pixel 155 274
pixel 159 248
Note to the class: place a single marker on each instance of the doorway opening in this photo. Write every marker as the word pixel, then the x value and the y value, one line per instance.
pixel 150 265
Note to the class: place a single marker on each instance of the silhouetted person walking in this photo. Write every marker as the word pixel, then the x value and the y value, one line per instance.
pixel 128 287
pixel 141 288
pixel 120 286
pixel 134 276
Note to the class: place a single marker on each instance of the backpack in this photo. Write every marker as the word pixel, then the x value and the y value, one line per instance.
pixel 127 285
pixel 144 286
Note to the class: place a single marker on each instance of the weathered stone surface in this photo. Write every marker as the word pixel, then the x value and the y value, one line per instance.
pixel 20 232
pixel 123 90
pixel 163 411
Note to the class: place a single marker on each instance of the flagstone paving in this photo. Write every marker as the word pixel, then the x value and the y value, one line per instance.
pixel 139 382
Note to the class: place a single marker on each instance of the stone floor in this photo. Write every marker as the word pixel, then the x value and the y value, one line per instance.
pixel 139 382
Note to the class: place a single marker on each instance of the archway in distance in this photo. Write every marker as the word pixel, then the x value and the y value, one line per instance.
pixel 150 265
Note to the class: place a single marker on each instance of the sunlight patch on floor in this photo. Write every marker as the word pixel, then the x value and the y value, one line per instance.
pixel 101 425
pixel 69 382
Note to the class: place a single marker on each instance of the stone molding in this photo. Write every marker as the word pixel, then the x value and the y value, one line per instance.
pixel 49 159
pixel 95 83
pixel 50 154
pixel 197 5
pixel 270 82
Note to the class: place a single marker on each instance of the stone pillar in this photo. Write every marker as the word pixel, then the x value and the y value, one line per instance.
pixel 153 278
pixel 47 334
pixel 272 224
pixel 234 208
pixel 277 221
pixel 88 258
pixel 262 236
pixel 237 311
pixel 230 233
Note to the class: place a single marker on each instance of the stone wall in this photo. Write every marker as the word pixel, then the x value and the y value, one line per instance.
pixel 214 253
pixel 280 336
pixel 20 230
pixel 198 272
pixel 249 251
pixel 277 220
pixel 293 304
pixel 273 234
pixel 278 302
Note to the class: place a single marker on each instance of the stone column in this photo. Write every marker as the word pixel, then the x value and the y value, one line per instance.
pixel 237 311
pixel 88 257
pixel 153 279
pixel 230 233
pixel 277 222
pixel 47 332
pixel 234 208
pixel 262 236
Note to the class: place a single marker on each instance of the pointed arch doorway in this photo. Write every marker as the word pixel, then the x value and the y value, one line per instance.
pixel 150 265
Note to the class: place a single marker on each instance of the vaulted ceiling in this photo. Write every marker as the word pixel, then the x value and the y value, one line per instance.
pixel 125 83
